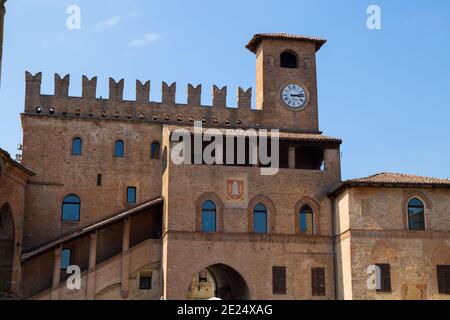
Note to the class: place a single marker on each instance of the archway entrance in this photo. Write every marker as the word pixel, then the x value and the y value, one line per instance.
pixel 6 248
pixel 218 281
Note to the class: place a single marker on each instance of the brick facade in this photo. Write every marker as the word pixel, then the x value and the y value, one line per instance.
pixel 160 237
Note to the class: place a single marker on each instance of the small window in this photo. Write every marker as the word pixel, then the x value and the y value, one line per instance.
pixel 385 278
pixel 131 195
pixel 318 281
pixel 443 274
pixel 145 281
pixel 288 60
pixel 71 208
pixel 99 180
pixel 77 147
pixel 156 150
pixel 209 217
pixel 416 215
pixel 66 257
pixel 306 220
pixel 119 149
pixel 260 219
pixel 279 280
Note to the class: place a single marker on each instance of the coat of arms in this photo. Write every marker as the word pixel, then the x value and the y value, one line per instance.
pixel 235 190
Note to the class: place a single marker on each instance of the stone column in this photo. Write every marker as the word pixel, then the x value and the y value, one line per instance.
pixel 125 258
pixel 292 157
pixel 56 273
pixel 90 290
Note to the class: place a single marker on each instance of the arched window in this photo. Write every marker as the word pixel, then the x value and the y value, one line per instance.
pixel 260 219
pixel 416 215
pixel 71 208
pixel 77 147
pixel 306 220
pixel 288 60
pixel 156 150
pixel 119 149
pixel 209 217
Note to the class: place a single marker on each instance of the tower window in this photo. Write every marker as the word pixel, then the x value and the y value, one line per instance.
pixel 145 281
pixel 385 277
pixel 416 215
pixel 155 152
pixel 318 281
pixel 71 208
pixel 279 280
pixel 119 149
pixel 131 195
pixel 260 219
pixel 99 180
pixel 443 273
pixel 289 60
pixel 307 220
pixel 209 217
pixel 77 146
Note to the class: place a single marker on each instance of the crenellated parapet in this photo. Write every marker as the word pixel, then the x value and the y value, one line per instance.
pixel 168 110
pixel 89 89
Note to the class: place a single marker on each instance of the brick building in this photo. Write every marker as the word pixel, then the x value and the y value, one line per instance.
pixel 98 189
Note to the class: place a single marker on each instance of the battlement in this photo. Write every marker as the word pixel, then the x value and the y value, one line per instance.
pixel 115 107
pixel 168 110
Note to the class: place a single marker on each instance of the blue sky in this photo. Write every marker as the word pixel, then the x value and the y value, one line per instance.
pixel 385 92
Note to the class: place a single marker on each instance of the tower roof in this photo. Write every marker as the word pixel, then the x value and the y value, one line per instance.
pixel 257 38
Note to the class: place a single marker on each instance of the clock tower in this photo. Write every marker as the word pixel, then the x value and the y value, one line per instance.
pixel 286 81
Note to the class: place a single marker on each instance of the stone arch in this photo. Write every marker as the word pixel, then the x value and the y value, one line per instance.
pixel 228 284
pixel 408 196
pixel 219 213
pixel 316 210
pixel 7 234
pixel 271 213
pixel 111 291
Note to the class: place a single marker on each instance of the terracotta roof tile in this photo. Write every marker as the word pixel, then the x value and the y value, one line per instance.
pixel 399 178
pixel 395 180
pixel 8 157
pixel 253 44
pixel 306 137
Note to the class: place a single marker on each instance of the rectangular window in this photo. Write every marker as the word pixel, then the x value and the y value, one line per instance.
pixel 66 259
pixel 279 280
pixel 145 281
pixel 131 195
pixel 99 180
pixel 443 274
pixel 318 281
pixel 385 277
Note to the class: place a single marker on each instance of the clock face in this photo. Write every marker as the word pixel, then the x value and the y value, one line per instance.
pixel 294 96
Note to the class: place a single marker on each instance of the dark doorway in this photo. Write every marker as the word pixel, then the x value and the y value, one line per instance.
pixel 218 281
